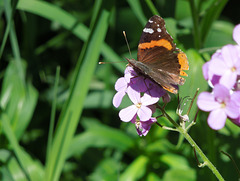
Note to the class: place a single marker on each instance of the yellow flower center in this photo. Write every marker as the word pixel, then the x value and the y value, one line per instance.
pixel 223 105
pixel 233 69
pixel 138 105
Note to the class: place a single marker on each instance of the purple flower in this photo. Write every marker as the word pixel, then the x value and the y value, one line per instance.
pixel 143 127
pixel 220 104
pixel 140 106
pixel 144 93
pixel 227 66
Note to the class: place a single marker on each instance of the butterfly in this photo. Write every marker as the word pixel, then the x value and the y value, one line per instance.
pixel 158 58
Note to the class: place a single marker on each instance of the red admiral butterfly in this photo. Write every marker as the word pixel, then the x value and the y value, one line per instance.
pixel 158 57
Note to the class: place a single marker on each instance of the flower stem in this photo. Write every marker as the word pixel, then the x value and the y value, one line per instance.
pixel 183 131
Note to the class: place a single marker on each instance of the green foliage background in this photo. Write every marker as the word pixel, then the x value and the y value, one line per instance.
pixel 57 121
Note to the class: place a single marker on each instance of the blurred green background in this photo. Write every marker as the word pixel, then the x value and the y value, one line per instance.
pixel 57 121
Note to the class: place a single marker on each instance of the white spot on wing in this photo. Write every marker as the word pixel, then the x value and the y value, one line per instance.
pixel 159 30
pixel 159 36
pixel 148 30
pixel 150 21
pixel 157 25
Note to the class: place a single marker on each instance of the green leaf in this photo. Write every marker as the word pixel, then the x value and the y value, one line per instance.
pixel 99 136
pixel 135 170
pixel 72 110
pixel 174 161
pixel 153 177
pixel 18 100
pixel 107 170
pixel 194 80
pixel 220 34
pixel 180 175
pixel 210 16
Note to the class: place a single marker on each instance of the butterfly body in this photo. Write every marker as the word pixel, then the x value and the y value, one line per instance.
pixel 158 58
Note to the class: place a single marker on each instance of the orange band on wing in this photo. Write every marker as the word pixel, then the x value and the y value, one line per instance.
pixel 182 58
pixel 160 43
pixel 171 89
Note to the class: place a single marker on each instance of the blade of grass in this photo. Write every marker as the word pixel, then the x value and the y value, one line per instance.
pixel 72 110
pixel 14 143
pixel 211 15
pixel 152 7
pixel 54 13
pixel 137 9
pixel 195 19
pixel 24 165
pixel 13 39
pixel 53 113
pixel 9 24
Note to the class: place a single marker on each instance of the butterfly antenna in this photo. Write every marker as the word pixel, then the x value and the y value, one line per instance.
pixel 125 36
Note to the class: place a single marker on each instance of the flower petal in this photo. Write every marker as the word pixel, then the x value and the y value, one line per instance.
pixel 232 110
pixel 230 55
pixel 134 95
pixel 217 66
pixel 129 73
pixel 144 113
pixel 128 113
pixel 121 84
pixel 228 79
pixel 206 102
pixel 205 71
pixel 236 97
pixel 236 34
pixel 217 119
pixel 146 99
pixel 221 93
pixel 117 99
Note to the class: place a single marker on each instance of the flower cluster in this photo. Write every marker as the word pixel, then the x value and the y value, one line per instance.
pixel 144 95
pixel 223 74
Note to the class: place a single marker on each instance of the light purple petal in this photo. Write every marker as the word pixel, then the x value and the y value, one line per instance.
pixel 221 93
pixel 217 54
pixel 217 119
pixel 206 102
pixel 117 99
pixel 236 34
pixel 232 110
pixel 148 100
pixel 205 71
pixel 236 97
pixel 228 79
pixel 144 113
pixel 230 55
pixel 121 84
pixel 134 95
pixel 217 66
pixel 128 113
pixel 129 73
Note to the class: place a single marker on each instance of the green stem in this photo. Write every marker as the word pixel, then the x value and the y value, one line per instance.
pixel 184 132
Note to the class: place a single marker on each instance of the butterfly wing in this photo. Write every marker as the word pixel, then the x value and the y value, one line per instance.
pixel 157 51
